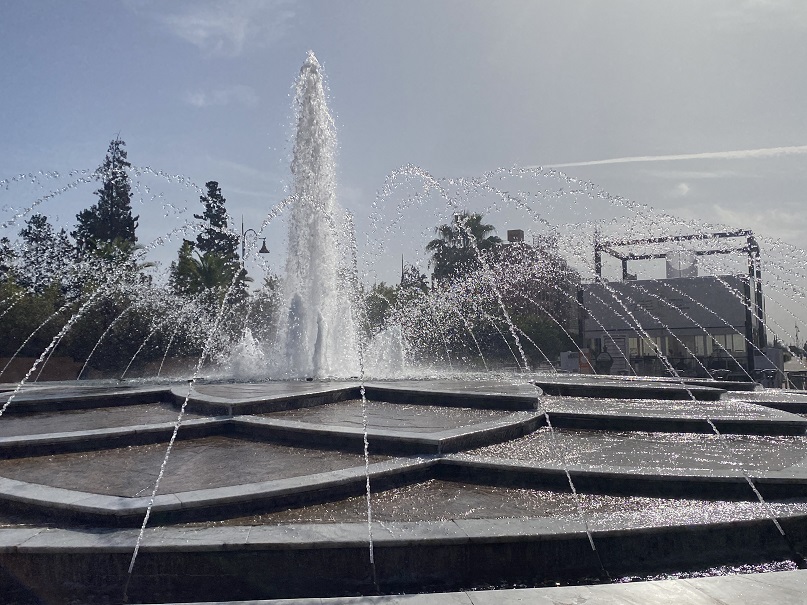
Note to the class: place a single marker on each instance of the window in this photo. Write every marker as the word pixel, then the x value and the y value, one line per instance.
pixel 703 345
pixel 687 345
pixel 737 343
pixel 651 346
pixel 719 344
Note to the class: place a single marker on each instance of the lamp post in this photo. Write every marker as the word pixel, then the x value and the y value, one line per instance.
pixel 263 250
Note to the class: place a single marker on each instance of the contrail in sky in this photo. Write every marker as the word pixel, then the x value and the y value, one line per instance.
pixel 768 152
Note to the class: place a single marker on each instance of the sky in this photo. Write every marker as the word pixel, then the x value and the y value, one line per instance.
pixel 695 108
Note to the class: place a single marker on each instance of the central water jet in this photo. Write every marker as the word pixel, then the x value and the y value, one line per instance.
pixel 317 335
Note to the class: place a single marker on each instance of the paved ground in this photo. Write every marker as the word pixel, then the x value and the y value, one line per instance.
pixel 775 588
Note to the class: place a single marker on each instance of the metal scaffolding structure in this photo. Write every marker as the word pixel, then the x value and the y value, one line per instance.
pixel 753 297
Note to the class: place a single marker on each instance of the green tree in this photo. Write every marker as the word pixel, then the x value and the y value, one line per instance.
pixel 42 258
pixel 27 319
pixel 110 220
pixel 138 322
pixel 540 332
pixel 411 277
pixel 7 256
pixel 211 264
pixel 379 304
pixel 216 238
pixel 181 273
pixel 458 245
pixel 207 274
pixel 535 279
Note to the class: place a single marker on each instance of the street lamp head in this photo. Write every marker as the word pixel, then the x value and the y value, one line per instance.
pixel 264 249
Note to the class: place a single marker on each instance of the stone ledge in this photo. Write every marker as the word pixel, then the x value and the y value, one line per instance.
pixel 239 499
pixel 53 398
pixel 93 439
pixel 344 535
pixel 118 509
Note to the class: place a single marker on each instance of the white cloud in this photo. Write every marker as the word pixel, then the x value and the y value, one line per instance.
pixel 780 223
pixel 224 28
pixel 241 94
pixel 741 154
pixel 681 189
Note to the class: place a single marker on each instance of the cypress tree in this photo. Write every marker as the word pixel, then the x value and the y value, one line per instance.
pixel 109 222
pixel 215 239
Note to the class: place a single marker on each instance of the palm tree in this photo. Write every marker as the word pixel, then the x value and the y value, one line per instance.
pixel 210 274
pixel 457 248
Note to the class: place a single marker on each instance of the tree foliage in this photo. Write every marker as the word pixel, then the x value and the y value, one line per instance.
pixel 379 303
pixel 521 303
pixel 181 273
pixel 215 238
pixel 264 305
pixel 109 221
pixel 7 256
pixel 411 277
pixel 134 325
pixel 27 320
pixel 457 248
pixel 118 319
pixel 44 257
pixel 209 267
pixel 194 273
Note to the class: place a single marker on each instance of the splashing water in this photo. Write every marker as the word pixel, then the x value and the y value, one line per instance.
pixel 315 331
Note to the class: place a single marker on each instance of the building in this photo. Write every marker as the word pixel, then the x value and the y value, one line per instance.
pixel 696 325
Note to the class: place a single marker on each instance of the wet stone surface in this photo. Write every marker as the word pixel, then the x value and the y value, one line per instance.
pixel 414 418
pixel 9 519
pixel 227 461
pixel 723 409
pixel 57 390
pixel 99 418
pixel 766 395
pixel 437 500
pixel 194 464
pixel 652 450
pixel 241 391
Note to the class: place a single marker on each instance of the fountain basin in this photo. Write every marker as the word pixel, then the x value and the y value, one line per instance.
pixel 249 538
pixel 227 563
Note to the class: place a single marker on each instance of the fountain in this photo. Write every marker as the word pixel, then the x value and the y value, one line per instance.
pixel 317 330
pixel 438 449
